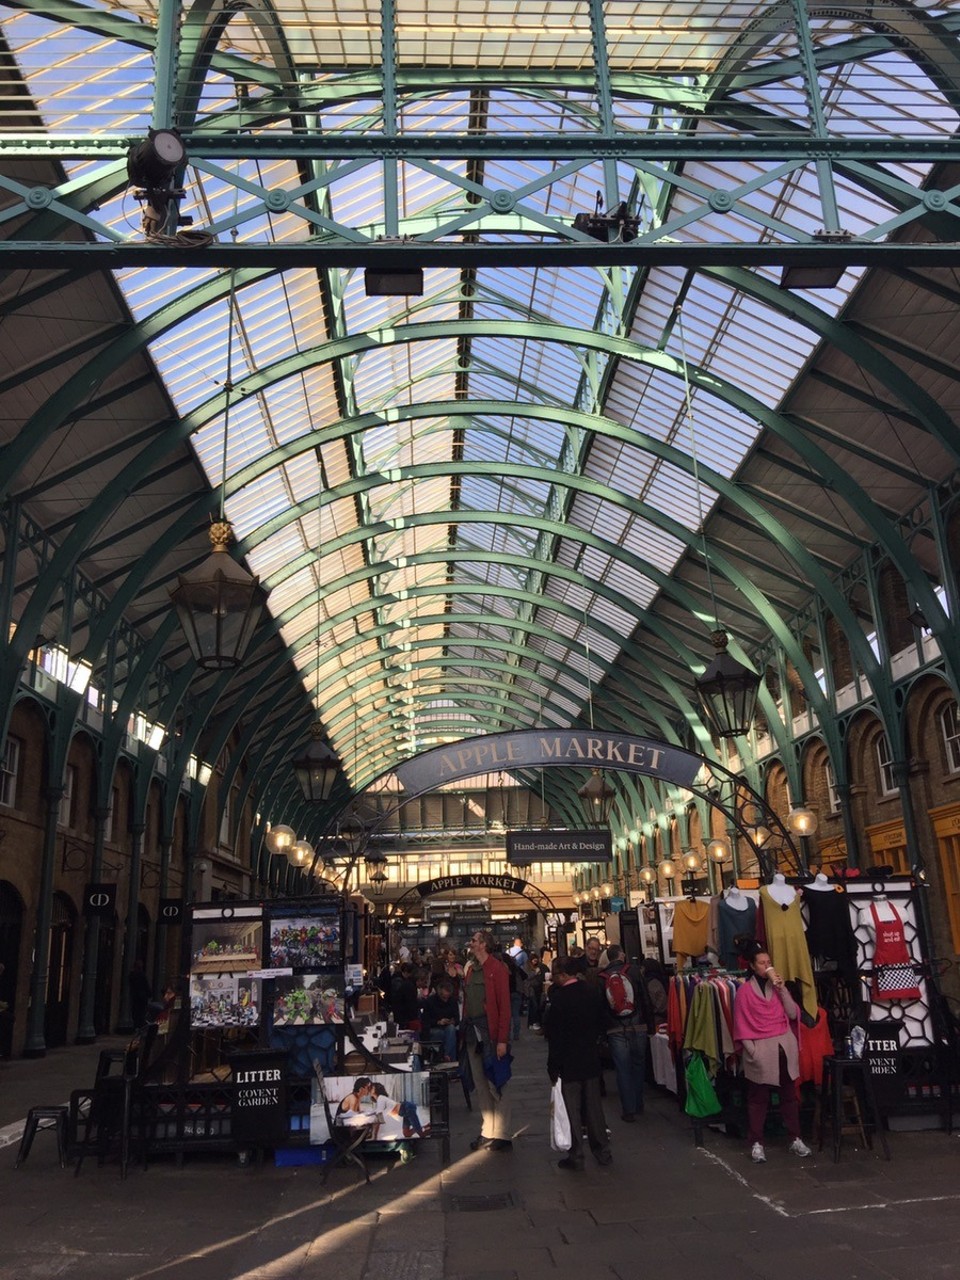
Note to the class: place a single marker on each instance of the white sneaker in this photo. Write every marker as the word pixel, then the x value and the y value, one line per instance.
pixel 799 1148
pixel 757 1154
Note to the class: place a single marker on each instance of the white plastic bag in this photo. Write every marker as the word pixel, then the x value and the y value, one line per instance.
pixel 559 1120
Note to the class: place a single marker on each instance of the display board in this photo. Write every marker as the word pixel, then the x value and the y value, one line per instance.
pixel 274 970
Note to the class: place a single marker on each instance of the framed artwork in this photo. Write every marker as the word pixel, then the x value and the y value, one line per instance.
pixel 226 940
pixel 305 942
pixel 224 1000
pixel 308 1000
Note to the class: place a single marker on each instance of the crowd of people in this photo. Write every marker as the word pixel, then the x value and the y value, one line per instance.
pixel 594 1007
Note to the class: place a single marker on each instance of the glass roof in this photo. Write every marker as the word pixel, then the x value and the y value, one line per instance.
pixel 523 454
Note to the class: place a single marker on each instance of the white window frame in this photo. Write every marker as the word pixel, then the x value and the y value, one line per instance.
pixel 108 822
pixel 885 764
pixel 65 817
pixel 10 772
pixel 833 795
pixel 948 718
pixel 226 822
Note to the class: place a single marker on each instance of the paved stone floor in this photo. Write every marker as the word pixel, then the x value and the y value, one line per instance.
pixel 663 1208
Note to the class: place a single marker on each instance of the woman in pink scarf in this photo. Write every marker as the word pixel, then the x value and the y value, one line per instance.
pixel 763 1036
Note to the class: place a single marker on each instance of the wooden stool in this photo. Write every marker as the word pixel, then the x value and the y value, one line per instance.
pixel 58 1116
pixel 840 1077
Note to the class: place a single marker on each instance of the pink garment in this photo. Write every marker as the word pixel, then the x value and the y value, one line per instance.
pixel 761 1022
pixel 755 1018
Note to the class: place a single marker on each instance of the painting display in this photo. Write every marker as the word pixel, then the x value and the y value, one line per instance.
pixel 305 942
pixel 224 1000
pixel 395 1107
pixel 226 943
pixel 309 1000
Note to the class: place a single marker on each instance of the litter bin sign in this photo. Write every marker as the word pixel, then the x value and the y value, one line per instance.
pixel 260 1098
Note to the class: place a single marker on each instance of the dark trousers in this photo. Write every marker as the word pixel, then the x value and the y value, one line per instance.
pixel 758 1101
pixel 582 1098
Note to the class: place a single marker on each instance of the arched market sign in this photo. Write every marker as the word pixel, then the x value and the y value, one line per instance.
pixel 729 792
pixel 537 749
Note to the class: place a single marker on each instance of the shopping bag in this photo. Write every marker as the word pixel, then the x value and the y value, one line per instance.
pixel 559 1120
pixel 702 1098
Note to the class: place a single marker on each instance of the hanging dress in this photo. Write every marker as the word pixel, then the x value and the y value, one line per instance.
pixel 830 933
pixel 787 945
pixel 730 924
pixel 690 923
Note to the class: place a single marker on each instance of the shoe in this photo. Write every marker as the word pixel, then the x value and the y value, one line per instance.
pixel 481 1143
pixel 604 1158
pixel 799 1148
pixel 629 1116
pixel 757 1154
pixel 501 1144
pixel 535 1026
pixel 575 1166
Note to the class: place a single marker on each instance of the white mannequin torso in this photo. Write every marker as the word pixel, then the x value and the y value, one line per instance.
pixel 820 883
pixel 735 899
pixel 780 891
pixel 885 910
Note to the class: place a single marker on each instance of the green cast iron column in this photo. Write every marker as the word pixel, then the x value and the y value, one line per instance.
pixel 36 1042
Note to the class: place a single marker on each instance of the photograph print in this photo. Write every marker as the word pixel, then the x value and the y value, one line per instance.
pixel 224 1001
pixel 308 1001
pixel 225 945
pixel 393 1107
pixel 305 942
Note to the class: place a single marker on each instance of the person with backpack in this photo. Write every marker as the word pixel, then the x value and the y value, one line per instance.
pixel 631 1021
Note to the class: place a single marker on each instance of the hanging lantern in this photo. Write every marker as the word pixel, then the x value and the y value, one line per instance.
pixel 376 875
pixel 317 767
pixel 727 691
pixel 219 605
pixel 597 795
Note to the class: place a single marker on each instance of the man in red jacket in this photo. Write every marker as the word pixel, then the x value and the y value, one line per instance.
pixel 486 990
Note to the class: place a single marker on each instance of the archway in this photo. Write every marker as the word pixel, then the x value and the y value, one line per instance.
pixel 551 914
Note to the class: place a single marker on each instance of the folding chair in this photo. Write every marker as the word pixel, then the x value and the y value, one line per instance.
pixel 347 1139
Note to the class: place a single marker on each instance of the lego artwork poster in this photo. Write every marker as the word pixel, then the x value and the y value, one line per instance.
pixel 224 1000
pixel 308 942
pixel 225 946
pixel 310 1000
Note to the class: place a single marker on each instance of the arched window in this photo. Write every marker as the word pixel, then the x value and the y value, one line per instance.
pixel 949 721
pixel 833 795
pixel 10 772
pixel 885 762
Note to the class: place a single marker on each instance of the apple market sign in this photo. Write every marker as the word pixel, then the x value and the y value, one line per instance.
pixel 538 749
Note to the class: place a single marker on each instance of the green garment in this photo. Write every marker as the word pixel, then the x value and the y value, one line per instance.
pixel 701 1030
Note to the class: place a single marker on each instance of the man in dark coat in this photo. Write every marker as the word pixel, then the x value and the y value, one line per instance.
pixel 576 1019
